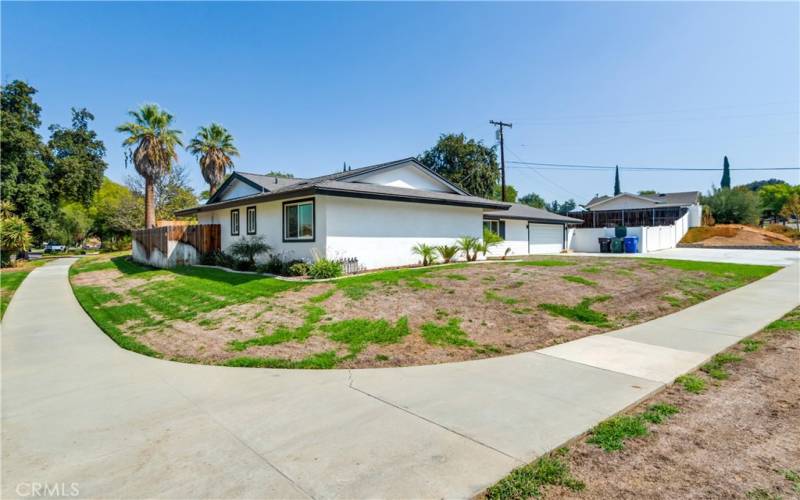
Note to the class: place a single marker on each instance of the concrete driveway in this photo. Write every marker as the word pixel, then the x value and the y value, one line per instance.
pixel 77 411
pixel 763 257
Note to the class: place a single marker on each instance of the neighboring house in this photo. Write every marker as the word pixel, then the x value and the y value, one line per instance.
pixel 656 203
pixel 375 214
pixel 658 220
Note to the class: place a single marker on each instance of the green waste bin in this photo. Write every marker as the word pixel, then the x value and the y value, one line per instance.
pixel 617 245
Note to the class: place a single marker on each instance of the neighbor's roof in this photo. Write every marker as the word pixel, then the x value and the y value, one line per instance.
pixel 681 198
pixel 525 212
pixel 337 185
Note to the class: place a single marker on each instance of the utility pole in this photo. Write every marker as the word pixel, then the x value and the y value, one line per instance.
pixel 502 158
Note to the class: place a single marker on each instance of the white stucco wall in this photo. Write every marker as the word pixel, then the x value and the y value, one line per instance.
pixel 382 233
pixel 516 239
pixel 406 175
pixel 269 224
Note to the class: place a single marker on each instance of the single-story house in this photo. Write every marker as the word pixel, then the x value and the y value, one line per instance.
pixel 658 206
pixel 375 214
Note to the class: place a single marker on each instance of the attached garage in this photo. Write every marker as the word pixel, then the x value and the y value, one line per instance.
pixel 545 238
pixel 527 230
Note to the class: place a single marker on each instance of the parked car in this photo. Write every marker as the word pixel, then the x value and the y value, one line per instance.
pixel 54 248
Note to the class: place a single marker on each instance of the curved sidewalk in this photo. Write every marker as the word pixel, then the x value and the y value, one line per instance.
pixel 78 409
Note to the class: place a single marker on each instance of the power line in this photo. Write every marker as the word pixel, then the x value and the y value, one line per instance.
pixel 558 166
pixel 548 180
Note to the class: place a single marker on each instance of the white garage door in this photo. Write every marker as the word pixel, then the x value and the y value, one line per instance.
pixel 546 238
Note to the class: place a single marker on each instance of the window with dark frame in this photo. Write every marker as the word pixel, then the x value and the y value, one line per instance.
pixel 298 220
pixel 251 220
pixel 492 225
pixel 235 222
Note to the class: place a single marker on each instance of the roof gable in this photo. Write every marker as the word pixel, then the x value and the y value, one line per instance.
pixel 408 174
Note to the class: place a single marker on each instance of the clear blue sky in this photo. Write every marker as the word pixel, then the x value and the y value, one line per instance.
pixel 304 87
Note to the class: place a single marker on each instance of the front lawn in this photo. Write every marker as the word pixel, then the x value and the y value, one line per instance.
pixel 389 318
pixel 11 278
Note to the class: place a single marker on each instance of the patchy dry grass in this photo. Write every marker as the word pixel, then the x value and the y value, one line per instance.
pixel 391 318
pixel 700 438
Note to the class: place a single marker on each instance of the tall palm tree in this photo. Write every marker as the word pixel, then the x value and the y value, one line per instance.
pixel 213 145
pixel 155 150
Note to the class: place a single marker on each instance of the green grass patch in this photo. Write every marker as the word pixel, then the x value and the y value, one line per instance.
pixel 751 345
pixel 447 334
pixel 357 287
pixel 762 494
pixel 381 357
pixel 490 295
pixel 527 481
pixel 790 322
pixel 716 367
pixel 659 412
pixel 691 383
pixel 794 478
pixel 582 312
pixel 579 279
pixel 283 334
pixel 358 333
pixel 319 361
pixel 488 349
pixel 673 301
pixel 610 435
pixel 591 269
pixel 455 277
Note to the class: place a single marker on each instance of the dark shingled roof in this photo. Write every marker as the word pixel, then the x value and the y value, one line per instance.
pixel 270 182
pixel 525 212
pixel 681 198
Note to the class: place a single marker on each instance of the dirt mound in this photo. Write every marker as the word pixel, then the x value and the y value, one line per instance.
pixel 734 235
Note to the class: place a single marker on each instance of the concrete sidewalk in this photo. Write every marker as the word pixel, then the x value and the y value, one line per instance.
pixel 78 409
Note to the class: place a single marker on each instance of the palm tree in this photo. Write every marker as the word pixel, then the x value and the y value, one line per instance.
pixel 427 252
pixel 468 245
pixel 155 150
pixel 447 252
pixel 213 145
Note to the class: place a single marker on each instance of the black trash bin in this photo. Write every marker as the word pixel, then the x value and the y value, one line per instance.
pixel 605 245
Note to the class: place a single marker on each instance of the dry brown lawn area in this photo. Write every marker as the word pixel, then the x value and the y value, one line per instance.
pixel 391 318
pixel 740 438
pixel 735 235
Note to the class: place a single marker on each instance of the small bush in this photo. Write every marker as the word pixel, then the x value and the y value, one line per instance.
pixel 325 268
pixel 733 206
pixel 247 249
pixel 298 269
pixel 218 258
pixel 447 252
pixel 427 252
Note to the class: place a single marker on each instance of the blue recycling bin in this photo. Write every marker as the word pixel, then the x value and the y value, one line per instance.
pixel 631 244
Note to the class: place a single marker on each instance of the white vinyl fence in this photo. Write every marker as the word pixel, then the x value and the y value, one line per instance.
pixel 651 239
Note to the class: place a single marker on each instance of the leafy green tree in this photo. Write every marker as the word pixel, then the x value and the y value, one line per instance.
pixel 772 197
pixel 617 189
pixel 562 208
pixel 155 149
pixel 76 160
pixel 756 185
pixel 23 168
pixel 733 206
pixel 725 183
pixel 171 192
pixel 115 211
pixel 533 200
pixel 213 145
pixel 511 193
pixel 15 237
pixel 465 162
pixel 648 191
pixel 791 209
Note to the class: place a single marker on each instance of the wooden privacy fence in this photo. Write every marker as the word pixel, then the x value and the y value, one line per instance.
pixel 630 218
pixel 171 242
